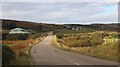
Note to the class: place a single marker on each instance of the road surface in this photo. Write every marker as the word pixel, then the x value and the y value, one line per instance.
pixel 45 54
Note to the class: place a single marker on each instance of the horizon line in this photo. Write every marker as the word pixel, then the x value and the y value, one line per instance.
pixel 59 23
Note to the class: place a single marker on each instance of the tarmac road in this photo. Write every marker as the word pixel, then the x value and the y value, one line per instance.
pixel 45 54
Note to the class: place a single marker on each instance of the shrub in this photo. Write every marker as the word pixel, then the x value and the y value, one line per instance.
pixel 34 36
pixel 60 36
pixel 17 36
pixel 3 36
pixel 96 40
pixel 84 41
pixel 75 42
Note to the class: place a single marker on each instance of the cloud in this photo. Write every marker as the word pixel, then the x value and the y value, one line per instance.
pixel 61 12
pixel 103 18
pixel 56 15
pixel 60 0
pixel 14 13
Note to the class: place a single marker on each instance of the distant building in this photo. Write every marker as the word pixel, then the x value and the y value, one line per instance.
pixel 19 31
pixel 77 28
pixel 68 28
pixel 74 28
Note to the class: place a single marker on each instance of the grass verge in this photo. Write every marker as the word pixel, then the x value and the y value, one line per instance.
pixel 21 49
pixel 106 52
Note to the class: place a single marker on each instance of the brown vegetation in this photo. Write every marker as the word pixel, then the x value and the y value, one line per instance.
pixel 17 45
pixel 100 44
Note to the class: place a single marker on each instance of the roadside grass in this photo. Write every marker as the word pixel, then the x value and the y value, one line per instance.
pixel 21 49
pixel 108 51
pixel 17 45
pixel 22 59
pixel 56 44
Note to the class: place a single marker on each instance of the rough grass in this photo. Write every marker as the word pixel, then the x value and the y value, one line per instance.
pixel 57 45
pixel 21 48
pixel 23 59
pixel 108 51
pixel 55 42
pixel 17 45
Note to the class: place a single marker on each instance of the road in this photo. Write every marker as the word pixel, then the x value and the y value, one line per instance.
pixel 45 54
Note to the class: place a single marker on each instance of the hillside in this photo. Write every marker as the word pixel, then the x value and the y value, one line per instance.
pixel 105 27
pixel 38 27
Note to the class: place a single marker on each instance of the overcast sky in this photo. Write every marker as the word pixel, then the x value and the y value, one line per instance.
pixel 61 12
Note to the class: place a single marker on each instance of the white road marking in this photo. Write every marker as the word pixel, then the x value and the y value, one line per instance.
pixel 74 63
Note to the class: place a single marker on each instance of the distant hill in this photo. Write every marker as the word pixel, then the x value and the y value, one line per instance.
pixel 38 27
pixel 108 27
pixel 105 27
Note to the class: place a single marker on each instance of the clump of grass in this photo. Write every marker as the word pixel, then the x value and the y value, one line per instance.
pixel 82 41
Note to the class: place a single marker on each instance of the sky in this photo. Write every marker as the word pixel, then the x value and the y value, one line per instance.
pixel 61 12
